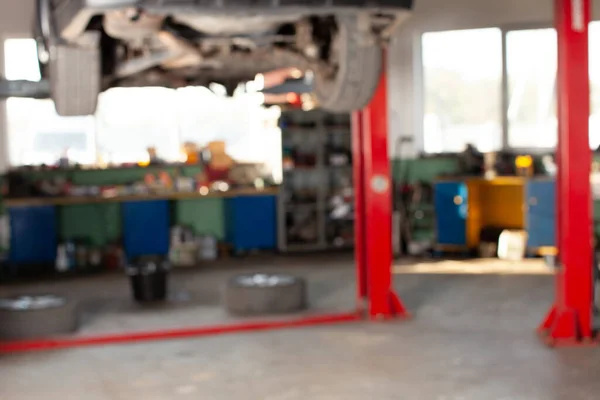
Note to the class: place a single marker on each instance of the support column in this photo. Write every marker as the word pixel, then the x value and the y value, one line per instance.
pixel 359 209
pixel 569 321
pixel 373 207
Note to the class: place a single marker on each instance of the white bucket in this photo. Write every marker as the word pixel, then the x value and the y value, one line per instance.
pixel 512 245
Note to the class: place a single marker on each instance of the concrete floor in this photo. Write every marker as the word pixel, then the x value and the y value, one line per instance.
pixel 472 338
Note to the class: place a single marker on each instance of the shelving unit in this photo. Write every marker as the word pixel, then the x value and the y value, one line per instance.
pixel 315 206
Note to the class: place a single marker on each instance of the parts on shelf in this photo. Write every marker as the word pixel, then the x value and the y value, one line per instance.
pixel 301 197
pixel 337 120
pixel 316 204
pixel 78 255
pixel 340 181
pixel 337 156
pixel 298 158
pixel 290 119
pixel 340 233
pixel 341 205
pixel 302 226
pixel 414 205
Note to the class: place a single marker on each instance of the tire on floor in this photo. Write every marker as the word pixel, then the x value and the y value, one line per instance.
pixel 253 294
pixel 37 316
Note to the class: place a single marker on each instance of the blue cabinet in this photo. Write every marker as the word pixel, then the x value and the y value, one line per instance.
pixel 541 213
pixel 33 235
pixel 450 201
pixel 146 228
pixel 251 222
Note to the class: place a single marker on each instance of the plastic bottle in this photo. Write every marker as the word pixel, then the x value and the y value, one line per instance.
pixel 62 260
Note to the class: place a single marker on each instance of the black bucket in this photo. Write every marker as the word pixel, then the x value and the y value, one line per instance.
pixel 148 278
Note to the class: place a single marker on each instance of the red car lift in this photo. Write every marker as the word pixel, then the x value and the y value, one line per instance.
pixel 373 203
pixel 373 207
pixel 569 321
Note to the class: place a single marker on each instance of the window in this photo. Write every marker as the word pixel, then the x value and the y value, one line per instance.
pixel 462 76
pixel 531 57
pixel 205 116
pixel 21 60
pixel 129 120
pixel 248 129
pixel 36 134
pixel 462 72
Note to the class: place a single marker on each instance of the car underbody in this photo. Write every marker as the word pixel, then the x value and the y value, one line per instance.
pixel 181 43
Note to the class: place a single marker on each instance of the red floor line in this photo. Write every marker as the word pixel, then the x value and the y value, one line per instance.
pixel 133 337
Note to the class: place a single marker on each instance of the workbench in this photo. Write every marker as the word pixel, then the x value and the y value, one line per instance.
pixel 145 221
pixel 74 200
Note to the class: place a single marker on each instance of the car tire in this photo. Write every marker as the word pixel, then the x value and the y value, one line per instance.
pixel 75 76
pixel 31 317
pixel 254 294
pixel 358 74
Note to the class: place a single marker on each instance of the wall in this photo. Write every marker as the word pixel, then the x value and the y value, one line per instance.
pixel 438 15
pixel 16 16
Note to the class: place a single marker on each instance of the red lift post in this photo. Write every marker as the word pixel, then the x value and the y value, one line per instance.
pixel 373 207
pixel 373 211
pixel 569 321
